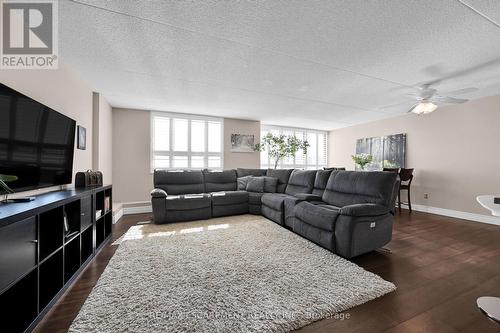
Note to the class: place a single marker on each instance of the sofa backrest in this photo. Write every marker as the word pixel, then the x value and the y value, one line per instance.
pixel 179 182
pixel 241 172
pixel 320 181
pixel 283 175
pixel 351 187
pixel 301 181
pixel 220 181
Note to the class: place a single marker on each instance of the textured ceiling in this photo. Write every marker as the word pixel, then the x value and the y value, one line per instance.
pixel 318 64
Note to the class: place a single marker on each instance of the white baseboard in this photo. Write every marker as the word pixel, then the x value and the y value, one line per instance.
pixel 131 208
pixel 137 210
pixel 141 209
pixel 117 215
pixel 456 214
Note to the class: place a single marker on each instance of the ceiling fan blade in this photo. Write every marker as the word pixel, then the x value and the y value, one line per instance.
pixel 413 107
pixel 466 71
pixel 436 70
pixel 413 95
pixel 451 100
pixel 462 91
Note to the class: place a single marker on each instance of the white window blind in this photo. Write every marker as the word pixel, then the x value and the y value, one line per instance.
pixel 181 141
pixel 317 153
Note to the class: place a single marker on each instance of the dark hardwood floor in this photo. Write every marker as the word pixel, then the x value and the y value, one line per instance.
pixel 440 266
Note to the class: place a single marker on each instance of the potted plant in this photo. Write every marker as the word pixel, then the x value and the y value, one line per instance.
pixel 3 186
pixel 362 160
pixel 281 146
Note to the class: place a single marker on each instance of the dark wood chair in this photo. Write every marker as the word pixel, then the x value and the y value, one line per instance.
pixel 406 176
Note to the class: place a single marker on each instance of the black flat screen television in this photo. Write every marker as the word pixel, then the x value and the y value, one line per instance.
pixel 36 142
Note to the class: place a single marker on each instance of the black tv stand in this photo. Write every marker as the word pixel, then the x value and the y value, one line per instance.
pixel 40 257
pixel 17 200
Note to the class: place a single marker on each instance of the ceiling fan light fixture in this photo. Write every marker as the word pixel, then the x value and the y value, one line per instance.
pixel 424 107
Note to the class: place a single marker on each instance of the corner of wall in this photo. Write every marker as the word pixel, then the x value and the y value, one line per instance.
pixel 102 145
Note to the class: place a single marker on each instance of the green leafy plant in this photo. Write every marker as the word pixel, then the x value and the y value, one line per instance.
pixel 362 160
pixel 281 146
pixel 389 164
pixel 5 179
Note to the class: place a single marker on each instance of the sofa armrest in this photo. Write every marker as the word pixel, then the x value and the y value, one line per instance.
pixel 159 205
pixel 158 193
pixel 366 209
pixel 308 197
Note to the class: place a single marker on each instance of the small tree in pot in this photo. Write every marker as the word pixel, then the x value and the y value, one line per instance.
pixel 5 179
pixel 281 146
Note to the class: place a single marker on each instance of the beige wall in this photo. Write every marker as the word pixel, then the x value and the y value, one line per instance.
pixel 454 150
pixel 132 178
pixel 240 160
pixel 63 91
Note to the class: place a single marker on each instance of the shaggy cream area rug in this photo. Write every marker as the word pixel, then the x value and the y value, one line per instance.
pixel 233 274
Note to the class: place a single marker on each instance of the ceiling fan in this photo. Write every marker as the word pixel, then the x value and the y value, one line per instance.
pixel 427 98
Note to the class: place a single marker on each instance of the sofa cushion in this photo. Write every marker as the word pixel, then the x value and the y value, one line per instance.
pixel 368 209
pixel 283 175
pixel 270 184
pixel 188 202
pixel 179 182
pixel 220 181
pixel 320 216
pixel 254 198
pixel 255 184
pixel 241 172
pixel 273 215
pixel 229 210
pixel 346 188
pixel 319 236
pixel 229 198
pixel 320 181
pixel 274 200
pixel 301 181
pixel 188 215
pixel 289 210
pixel 242 182
pixel 308 197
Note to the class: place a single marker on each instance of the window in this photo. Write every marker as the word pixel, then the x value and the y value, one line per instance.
pixel 180 141
pixel 316 157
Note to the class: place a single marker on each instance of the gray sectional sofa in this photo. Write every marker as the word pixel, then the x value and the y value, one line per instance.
pixel 346 212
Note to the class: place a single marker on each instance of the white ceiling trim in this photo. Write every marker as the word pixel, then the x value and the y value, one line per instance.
pixel 486 17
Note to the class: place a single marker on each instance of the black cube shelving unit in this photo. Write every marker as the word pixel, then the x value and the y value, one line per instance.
pixel 71 257
pixel 19 304
pixel 51 277
pixel 50 231
pixel 44 245
pixel 99 232
pixel 87 244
